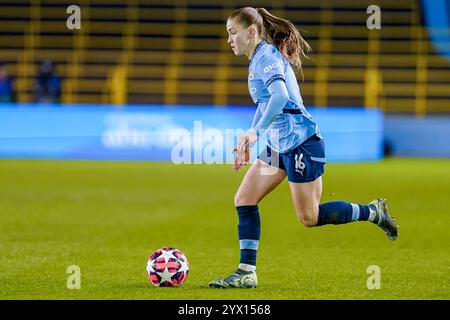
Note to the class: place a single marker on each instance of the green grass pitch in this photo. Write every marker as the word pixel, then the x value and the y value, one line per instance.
pixel 107 217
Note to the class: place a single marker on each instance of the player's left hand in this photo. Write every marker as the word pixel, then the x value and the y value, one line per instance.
pixel 243 150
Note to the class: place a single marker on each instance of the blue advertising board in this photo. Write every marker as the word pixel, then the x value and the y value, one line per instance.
pixel 182 134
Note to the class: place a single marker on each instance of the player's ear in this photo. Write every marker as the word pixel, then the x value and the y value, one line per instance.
pixel 251 31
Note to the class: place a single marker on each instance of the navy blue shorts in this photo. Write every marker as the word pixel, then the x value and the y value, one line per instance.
pixel 304 163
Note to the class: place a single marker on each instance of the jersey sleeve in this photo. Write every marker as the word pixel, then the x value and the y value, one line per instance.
pixel 270 68
pixel 279 96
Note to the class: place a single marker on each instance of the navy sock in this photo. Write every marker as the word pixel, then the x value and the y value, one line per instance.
pixel 249 232
pixel 339 212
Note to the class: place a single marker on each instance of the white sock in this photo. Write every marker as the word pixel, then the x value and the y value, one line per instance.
pixel 247 267
pixel 374 216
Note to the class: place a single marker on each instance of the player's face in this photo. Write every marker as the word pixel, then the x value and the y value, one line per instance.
pixel 238 37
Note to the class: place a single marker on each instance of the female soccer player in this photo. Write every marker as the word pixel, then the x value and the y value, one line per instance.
pixel 294 148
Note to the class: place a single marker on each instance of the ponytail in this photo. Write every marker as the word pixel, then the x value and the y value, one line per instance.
pixel 285 36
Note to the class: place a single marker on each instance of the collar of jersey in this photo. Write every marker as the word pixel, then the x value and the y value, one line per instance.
pixel 257 48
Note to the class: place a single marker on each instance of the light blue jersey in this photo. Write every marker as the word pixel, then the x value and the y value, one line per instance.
pixel 288 124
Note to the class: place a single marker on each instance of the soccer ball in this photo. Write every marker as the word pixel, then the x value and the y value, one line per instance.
pixel 167 267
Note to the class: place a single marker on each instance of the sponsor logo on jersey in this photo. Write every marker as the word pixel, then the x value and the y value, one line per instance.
pixel 271 67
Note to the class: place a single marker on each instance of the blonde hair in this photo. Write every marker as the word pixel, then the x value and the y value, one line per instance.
pixel 277 31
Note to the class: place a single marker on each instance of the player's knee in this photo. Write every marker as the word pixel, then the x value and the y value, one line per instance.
pixel 307 218
pixel 308 222
pixel 242 200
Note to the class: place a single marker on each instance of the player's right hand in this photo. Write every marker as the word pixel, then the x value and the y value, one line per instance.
pixel 242 153
pixel 240 161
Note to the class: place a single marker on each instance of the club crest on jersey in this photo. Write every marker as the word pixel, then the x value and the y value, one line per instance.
pixel 271 67
pixel 299 164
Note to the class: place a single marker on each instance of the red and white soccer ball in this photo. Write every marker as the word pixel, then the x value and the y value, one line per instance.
pixel 167 267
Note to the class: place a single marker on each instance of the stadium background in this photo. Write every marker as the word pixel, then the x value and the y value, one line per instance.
pixel 149 56
pixel 175 52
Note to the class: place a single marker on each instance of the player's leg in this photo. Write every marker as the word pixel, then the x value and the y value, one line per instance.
pixel 306 201
pixel 304 168
pixel 306 198
pixel 259 180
